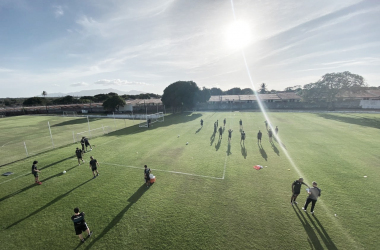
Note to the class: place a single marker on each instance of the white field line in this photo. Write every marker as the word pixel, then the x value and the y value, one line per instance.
pixel 15 178
pixel 167 171
pixel 6 143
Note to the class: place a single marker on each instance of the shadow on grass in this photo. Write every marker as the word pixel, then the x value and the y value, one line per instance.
pixel 229 148
pixel 48 204
pixel 81 120
pixel 133 199
pixel 313 238
pixel 262 152
pixel 169 120
pixel 33 185
pixel 199 129
pixel 217 145
pixel 212 139
pixel 322 233
pixel 57 162
pixel 243 150
pixel 353 119
pixel 275 149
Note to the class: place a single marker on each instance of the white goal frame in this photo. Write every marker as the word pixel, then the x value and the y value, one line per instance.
pixel 157 117
pixel 69 114
pixel 78 136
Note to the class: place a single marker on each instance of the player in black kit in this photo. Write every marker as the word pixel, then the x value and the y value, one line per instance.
pixel 79 154
pixel 80 224
pixel 296 189
pixel 94 166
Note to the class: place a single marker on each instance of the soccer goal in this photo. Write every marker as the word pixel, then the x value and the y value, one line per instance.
pixel 69 113
pixel 92 133
pixel 157 117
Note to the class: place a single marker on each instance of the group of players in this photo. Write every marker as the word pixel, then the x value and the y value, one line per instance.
pixel 313 192
pixel 78 219
pixel 242 133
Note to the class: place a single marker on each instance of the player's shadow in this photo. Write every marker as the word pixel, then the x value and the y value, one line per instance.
pixel 353 119
pixel 322 233
pixel 132 200
pixel 217 145
pixel 243 151
pixel 275 149
pixel 33 185
pixel 55 163
pixel 262 152
pixel 47 205
pixel 199 129
pixel 229 148
pixel 212 139
pixel 313 238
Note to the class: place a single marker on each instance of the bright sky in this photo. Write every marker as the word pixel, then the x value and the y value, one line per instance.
pixel 68 46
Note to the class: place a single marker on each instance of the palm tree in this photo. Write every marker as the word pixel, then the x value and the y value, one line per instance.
pixel 263 88
pixel 44 93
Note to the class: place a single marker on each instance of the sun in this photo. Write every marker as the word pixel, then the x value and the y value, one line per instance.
pixel 238 35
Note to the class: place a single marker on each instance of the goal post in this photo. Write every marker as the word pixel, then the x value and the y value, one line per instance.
pixel 92 133
pixel 152 118
pixel 69 113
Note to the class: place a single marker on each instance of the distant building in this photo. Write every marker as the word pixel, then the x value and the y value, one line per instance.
pixel 278 97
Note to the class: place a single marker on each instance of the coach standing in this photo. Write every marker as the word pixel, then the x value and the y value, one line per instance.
pixel 314 193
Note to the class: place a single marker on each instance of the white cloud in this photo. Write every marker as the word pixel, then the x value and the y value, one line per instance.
pixel 79 84
pixel 117 82
pixel 58 11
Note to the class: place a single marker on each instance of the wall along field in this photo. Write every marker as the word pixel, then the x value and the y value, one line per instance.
pixel 207 194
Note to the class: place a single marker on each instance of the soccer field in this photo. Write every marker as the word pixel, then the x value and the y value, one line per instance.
pixel 207 194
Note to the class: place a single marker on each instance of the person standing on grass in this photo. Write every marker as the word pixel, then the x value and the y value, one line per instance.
pixel 201 123
pixel 296 190
pixel 241 123
pixel 87 143
pixel 314 193
pixel 80 224
pixel 35 172
pixel 79 154
pixel 242 136
pixel 146 175
pixel 229 135
pixel 270 134
pixel 259 135
pixel 220 132
pixel 276 130
pixel 82 143
pixel 266 124
pixel 215 128
pixel 224 122
pixel 94 166
pixel 217 123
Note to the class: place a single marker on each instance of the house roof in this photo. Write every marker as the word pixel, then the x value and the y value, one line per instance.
pixel 289 96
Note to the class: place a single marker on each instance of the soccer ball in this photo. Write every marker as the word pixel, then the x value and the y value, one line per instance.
pixel 187 143
pixel 64 171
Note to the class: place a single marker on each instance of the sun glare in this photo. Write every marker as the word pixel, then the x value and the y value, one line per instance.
pixel 238 35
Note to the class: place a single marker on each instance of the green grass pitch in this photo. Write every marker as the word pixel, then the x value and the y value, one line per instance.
pixel 207 194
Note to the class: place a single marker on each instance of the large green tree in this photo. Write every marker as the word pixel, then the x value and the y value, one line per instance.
pixel 331 84
pixel 33 101
pixel 181 94
pixel 263 88
pixel 114 103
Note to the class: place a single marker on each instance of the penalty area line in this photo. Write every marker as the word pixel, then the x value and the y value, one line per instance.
pixel 167 171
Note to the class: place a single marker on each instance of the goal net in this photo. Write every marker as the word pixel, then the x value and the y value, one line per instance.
pixel 70 113
pixel 92 133
pixel 153 118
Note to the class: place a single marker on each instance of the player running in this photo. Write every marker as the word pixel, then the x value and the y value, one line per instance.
pixel 296 189
pixel 80 224
pixel 146 175
pixel 229 134
pixel 35 172
pixel 79 154
pixel 87 143
pixel 94 166
pixel 259 135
